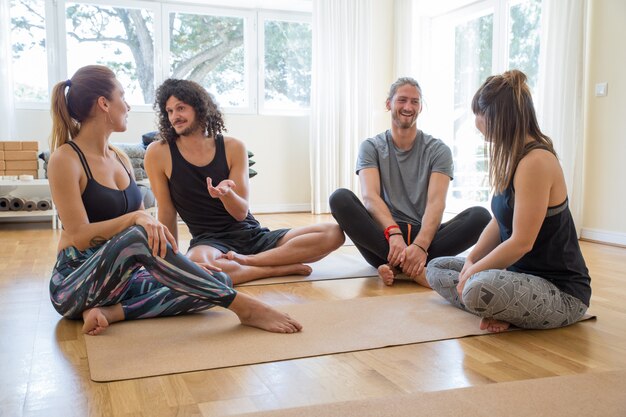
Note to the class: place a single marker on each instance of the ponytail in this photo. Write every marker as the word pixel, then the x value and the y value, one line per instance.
pixel 64 127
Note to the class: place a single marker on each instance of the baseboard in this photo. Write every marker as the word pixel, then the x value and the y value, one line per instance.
pixel 280 208
pixel 604 236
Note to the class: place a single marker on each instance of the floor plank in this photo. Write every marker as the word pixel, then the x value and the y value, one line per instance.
pixel 44 370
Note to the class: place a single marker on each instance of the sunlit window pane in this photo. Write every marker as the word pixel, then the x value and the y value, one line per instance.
pixel 524 39
pixel 120 38
pixel 473 62
pixel 211 51
pixel 287 69
pixel 28 47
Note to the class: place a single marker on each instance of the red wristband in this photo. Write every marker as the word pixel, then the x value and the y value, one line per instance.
pixel 389 228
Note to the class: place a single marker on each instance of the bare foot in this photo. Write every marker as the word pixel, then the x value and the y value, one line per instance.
pixel 387 274
pixel 254 313
pixel 97 319
pixel 492 325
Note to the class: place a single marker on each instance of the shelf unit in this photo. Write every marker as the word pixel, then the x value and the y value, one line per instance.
pixel 24 189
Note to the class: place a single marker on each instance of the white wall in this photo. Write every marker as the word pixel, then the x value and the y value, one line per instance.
pixel 605 124
pixel 280 145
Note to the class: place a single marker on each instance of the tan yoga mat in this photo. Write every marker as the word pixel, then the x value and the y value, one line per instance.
pixel 215 339
pixel 590 395
pixel 346 262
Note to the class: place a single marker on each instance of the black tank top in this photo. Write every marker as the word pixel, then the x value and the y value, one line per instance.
pixel 104 203
pixel 188 189
pixel 556 255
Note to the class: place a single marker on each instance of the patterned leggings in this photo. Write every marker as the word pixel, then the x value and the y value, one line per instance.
pixel 123 270
pixel 524 300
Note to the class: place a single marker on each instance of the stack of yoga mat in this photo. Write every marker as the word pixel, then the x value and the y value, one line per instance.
pixel 10 203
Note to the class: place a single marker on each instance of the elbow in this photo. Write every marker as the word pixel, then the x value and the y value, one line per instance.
pixel 522 248
pixel 241 218
pixel 240 215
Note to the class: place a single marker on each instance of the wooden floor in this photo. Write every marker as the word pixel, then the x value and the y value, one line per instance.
pixel 44 369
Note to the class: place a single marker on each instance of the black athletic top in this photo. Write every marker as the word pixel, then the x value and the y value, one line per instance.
pixel 104 203
pixel 188 189
pixel 556 255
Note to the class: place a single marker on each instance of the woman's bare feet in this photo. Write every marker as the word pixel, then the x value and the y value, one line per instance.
pixel 252 312
pixel 492 325
pixel 97 319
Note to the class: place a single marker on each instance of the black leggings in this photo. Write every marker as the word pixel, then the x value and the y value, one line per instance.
pixel 452 238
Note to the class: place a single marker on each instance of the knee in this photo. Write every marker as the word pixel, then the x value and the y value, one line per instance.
pixel 340 200
pixel 477 296
pixel 480 215
pixel 336 235
pixel 134 233
pixel 442 273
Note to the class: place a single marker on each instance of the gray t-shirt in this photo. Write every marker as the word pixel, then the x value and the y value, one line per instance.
pixel 404 175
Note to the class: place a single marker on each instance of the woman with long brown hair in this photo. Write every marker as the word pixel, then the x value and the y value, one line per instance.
pixel 527 268
pixel 115 261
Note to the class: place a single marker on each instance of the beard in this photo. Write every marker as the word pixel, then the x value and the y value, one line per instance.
pixel 189 130
pixel 402 122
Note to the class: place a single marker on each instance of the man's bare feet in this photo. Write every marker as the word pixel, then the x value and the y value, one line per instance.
pixel 387 274
pixel 492 325
pixel 97 319
pixel 254 313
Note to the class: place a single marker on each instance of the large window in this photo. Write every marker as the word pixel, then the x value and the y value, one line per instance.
pixel 472 43
pixel 285 69
pixel 28 46
pixel 120 38
pixel 212 49
pixel 146 42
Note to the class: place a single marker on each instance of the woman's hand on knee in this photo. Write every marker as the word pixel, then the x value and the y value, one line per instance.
pixel 465 274
pixel 208 267
pixel 158 234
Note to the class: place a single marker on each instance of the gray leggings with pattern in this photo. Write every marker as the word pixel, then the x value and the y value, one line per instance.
pixel 523 300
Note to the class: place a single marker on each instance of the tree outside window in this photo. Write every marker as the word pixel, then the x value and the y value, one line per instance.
pixel 212 49
pixel 28 47
pixel 287 65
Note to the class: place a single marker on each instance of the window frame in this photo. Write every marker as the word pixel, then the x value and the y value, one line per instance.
pixel 442 93
pixel 264 16
pixel 254 13
pixel 249 46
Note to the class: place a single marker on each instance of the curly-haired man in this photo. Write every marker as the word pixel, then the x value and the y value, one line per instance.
pixel 202 175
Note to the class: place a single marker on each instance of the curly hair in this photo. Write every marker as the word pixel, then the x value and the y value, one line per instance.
pixel 189 92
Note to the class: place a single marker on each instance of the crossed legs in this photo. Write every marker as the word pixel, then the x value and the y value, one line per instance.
pixel 240 273
pixel 299 245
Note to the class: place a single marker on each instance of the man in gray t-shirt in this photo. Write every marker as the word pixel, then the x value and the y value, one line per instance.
pixel 404 175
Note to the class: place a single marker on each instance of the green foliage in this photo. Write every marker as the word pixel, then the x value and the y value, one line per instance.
pixel 288 47
pixel 204 48
pixel 525 39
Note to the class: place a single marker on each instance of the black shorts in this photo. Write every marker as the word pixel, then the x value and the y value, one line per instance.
pixel 244 242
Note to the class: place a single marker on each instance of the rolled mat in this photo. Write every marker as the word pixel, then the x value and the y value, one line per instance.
pixel 44 204
pixel 216 339
pixel 598 394
pixel 17 203
pixel 4 203
pixel 30 205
